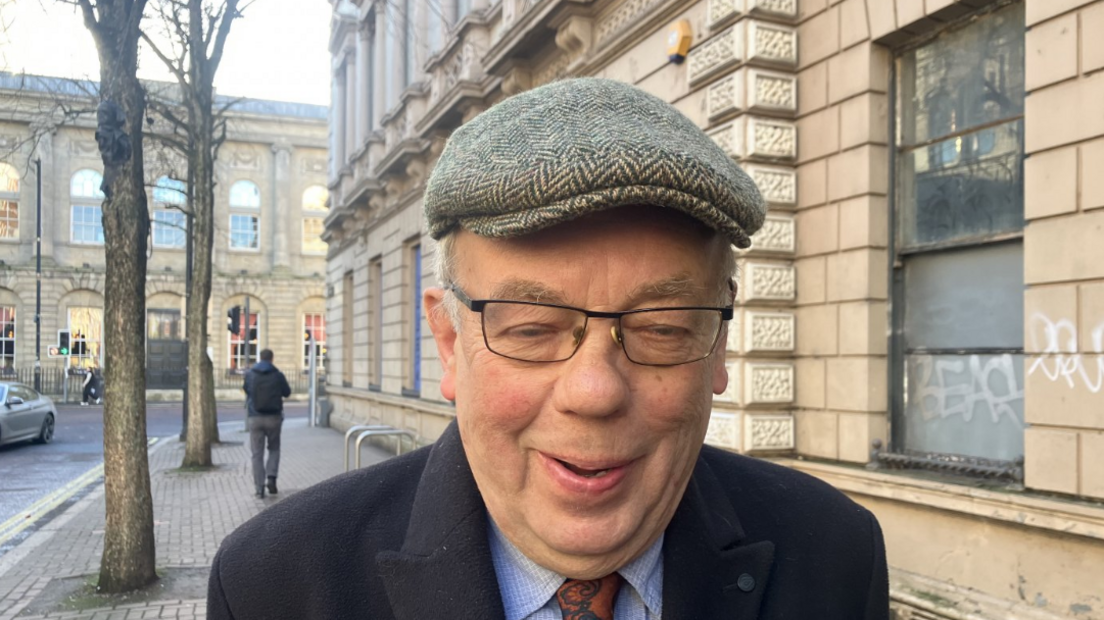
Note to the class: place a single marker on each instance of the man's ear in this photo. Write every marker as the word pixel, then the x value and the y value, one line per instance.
pixel 444 332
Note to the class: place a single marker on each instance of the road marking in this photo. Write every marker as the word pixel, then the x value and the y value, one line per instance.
pixel 29 516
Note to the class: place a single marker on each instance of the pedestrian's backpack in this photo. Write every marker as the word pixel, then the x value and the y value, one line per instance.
pixel 265 392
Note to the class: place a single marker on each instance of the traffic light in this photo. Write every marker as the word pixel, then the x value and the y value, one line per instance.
pixel 233 319
pixel 63 342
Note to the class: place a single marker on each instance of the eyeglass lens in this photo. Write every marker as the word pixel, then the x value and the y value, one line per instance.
pixel 538 333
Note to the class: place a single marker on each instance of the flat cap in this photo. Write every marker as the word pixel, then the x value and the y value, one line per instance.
pixel 577 146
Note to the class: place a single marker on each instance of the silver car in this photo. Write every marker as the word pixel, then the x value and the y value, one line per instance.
pixel 25 414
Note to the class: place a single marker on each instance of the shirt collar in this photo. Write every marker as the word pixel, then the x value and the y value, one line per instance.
pixel 526 586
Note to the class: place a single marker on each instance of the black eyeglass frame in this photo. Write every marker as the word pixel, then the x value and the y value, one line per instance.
pixel 477 305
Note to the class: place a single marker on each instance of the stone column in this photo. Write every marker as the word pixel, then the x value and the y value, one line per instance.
pixel 284 206
pixel 339 120
pixel 364 85
pixel 397 55
pixel 351 114
pixel 379 83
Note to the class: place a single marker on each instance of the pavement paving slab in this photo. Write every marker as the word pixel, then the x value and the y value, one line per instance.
pixel 193 512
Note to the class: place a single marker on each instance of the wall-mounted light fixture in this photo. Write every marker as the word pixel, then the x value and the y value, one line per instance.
pixel 679 37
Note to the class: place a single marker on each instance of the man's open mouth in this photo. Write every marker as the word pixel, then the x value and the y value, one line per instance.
pixel 586 473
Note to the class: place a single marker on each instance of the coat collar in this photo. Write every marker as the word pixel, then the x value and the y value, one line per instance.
pixel 444 568
pixel 710 569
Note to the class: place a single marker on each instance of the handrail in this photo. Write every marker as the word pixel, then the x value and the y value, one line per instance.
pixel 379 433
pixel 357 428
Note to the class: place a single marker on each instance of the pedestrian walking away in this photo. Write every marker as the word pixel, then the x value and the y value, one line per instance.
pixel 265 390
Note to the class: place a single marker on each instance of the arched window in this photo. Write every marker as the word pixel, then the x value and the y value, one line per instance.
pixel 314 210
pixel 169 225
pixel 245 227
pixel 9 202
pixel 86 221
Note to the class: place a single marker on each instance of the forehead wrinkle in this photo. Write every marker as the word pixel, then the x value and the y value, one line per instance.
pixel 679 286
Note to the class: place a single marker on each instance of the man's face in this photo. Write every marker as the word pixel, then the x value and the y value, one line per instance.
pixel 529 429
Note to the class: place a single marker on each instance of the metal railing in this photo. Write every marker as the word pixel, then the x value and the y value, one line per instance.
pixel 364 431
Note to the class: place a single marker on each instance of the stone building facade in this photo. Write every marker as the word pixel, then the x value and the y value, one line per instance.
pixel 271 201
pixel 920 321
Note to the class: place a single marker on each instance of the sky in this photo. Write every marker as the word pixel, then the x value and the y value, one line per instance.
pixel 278 50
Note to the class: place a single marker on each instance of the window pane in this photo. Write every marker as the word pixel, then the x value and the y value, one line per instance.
pixel 243 350
pixel 170 191
pixel 86 184
pixel 312 236
pixel 87 225
pixel 315 325
pixel 971 298
pixel 964 79
pixel 243 232
pixel 163 324
pixel 85 329
pixel 315 197
pixel 970 405
pixel 962 188
pixel 416 318
pixel 245 194
pixel 168 229
pixel 7 337
pixel 9 179
pixel 9 219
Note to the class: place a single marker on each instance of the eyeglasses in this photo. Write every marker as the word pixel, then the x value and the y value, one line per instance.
pixel 537 332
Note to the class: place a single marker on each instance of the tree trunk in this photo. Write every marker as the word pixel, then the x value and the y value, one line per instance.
pixel 202 411
pixel 128 554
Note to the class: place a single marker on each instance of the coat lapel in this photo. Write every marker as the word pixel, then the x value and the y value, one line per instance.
pixel 709 569
pixel 444 569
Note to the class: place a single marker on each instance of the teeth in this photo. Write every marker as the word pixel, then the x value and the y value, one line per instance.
pixel 586 473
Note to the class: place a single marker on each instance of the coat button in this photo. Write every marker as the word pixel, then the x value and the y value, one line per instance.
pixel 745 582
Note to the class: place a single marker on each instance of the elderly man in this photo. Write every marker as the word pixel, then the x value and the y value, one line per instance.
pixel 585 233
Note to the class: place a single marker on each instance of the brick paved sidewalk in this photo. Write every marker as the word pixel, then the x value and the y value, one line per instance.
pixel 193 512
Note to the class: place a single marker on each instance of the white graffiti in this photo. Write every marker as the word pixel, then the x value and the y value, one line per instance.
pixel 1057 340
pixel 949 387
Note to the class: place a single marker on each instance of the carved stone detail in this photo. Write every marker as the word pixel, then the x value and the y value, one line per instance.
pixel 771 139
pixel 730 137
pixel 517 80
pixel 554 70
pixel 313 164
pixel 768 432
pixel 716 54
pixel 575 35
pixel 776 235
pixel 771 91
pixel 731 395
pixel 769 331
pixel 726 95
pixel 723 430
pixel 84 148
pixel 778 185
pixel 766 383
pixel 721 10
pixel 245 159
pixel 769 282
pixel 771 43
pixel 622 16
pixel 783 8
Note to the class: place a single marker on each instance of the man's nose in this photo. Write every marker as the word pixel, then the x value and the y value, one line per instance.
pixel 593 382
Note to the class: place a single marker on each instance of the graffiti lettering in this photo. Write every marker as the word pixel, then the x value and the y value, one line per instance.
pixel 961 386
pixel 1058 341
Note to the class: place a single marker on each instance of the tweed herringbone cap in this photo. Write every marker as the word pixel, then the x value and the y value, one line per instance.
pixel 578 146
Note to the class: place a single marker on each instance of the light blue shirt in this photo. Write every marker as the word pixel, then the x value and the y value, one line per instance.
pixel 529 590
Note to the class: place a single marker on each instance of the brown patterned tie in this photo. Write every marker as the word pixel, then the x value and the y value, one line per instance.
pixel 589 600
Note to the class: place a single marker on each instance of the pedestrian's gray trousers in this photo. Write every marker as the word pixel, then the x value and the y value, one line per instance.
pixel 262 427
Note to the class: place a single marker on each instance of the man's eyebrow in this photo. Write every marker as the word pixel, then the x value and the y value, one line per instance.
pixel 677 286
pixel 527 290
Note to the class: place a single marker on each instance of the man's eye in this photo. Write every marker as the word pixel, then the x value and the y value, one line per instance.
pixel 531 331
pixel 660 331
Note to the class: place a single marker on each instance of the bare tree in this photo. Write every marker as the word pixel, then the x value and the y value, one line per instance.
pixel 128 560
pixel 196 32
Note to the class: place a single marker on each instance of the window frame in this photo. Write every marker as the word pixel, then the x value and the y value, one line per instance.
pixel 319 343
pixel 90 200
pixel 8 317
pixel 412 322
pixel 11 198
pixel 256 233
pixel 898 253
pixel 241 339
pixel 375 323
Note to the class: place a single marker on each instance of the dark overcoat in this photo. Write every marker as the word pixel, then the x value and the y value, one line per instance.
pixel 407 539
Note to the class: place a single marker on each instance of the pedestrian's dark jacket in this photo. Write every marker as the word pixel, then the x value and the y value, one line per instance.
pixel 262 383
pixel 407 539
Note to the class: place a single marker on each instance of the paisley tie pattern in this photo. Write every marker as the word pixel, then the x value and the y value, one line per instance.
pixel 589 600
